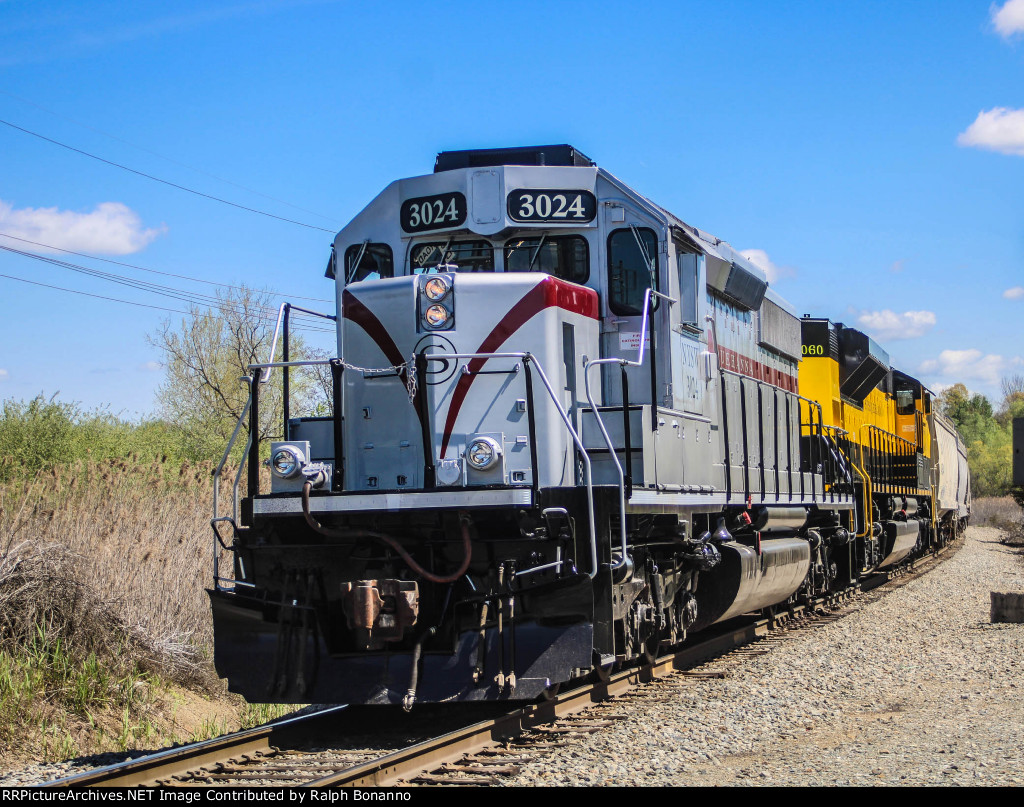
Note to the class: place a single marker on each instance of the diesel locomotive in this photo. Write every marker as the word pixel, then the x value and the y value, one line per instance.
pixel 568 431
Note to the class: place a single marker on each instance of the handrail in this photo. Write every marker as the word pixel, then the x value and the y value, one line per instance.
pixel 868 495
pixel 264 377
pixel 604 431
pixel 281 312
pixel 217 517
pixel 529 357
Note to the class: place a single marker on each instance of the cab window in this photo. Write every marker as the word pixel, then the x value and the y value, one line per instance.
pixel 628 274
pixel 375 262
pixel 904 402
pixel 460 256
pixel 687 263
pixel 566 257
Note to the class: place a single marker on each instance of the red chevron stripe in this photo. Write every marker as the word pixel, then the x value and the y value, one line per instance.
pixel 549 292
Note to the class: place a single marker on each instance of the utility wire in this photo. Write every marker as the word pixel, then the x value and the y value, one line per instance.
pixel 162 156
pixel 98 296
pixel 114 299
pixel 164 181
pixel 194 298
pixel 156 271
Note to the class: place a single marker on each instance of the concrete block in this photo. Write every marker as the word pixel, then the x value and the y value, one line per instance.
pixel 1008 606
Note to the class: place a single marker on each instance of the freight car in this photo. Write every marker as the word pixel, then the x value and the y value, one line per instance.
pixel 569 430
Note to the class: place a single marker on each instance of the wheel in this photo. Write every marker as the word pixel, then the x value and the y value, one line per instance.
pixel 602 672
pixel 649 650
pixel 551 692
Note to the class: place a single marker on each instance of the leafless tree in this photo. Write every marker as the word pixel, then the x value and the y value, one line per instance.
pixel 206 355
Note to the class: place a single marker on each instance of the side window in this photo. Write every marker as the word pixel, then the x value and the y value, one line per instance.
pixel 566 257
pixel 905 404
pixel 466 256
pixel 628 274
pixel 375 262
pixel 687 263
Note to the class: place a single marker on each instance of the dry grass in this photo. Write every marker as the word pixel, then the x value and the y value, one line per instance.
pixel 1003 513
pixel 102 605
pixel 997 511
pixel 136 537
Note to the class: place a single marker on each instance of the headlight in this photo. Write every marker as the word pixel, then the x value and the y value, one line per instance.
pixel 482 453
pixel 436 288
pixel 287 462
pixel 436 316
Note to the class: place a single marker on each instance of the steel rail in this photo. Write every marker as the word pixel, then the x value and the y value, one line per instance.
pixel 178 761
pixel 404 764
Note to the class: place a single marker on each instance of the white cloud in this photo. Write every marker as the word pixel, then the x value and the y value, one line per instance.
pixel 1000 129
pixel 111 229
pixel 897 266
pixel 3 374
pixel 888 325
pixel 150 366
pixel 760 259
pixel 1015 293
pixel 971 364
pixel 1009 19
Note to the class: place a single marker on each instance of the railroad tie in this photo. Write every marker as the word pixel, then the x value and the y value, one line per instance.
pixel 486 768
pixel 430 779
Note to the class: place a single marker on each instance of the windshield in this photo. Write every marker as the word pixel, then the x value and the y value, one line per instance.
pixel 566 257
pixel 460 256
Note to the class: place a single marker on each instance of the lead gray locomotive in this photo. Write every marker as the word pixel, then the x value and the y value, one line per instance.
pixel 567 432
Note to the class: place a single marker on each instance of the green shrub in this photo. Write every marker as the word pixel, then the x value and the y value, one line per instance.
pixel 42 434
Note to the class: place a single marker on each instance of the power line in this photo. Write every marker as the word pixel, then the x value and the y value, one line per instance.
pixel 156 271
pixel 262 313
pixel 163 157
pixel 164 181
pixel 98 296
pixel 142 285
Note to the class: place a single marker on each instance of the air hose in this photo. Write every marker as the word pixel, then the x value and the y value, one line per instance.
pixel 467 546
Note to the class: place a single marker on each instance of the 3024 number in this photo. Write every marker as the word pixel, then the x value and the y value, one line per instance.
pixel 433 212
pixel 552 205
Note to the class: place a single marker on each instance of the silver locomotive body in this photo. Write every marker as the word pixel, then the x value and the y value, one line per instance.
pixel 567 432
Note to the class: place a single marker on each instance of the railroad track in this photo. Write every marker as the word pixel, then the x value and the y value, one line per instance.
pixel 476 745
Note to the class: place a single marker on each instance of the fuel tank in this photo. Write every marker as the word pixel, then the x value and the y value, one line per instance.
pixel 900 538
pixel 748 580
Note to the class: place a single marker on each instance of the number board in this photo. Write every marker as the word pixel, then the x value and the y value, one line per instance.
pixel 576 207
pixel 433 212
pixel 815 339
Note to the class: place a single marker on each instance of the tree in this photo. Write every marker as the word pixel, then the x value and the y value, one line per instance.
pixel 972 414
pixel 206 355
pixel 987 433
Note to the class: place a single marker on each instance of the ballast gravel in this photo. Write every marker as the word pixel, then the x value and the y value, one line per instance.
pixel 917 688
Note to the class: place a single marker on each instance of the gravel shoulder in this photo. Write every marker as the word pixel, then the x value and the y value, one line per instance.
pixel 917 688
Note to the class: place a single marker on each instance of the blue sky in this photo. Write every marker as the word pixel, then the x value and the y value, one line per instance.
pixel 869 154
